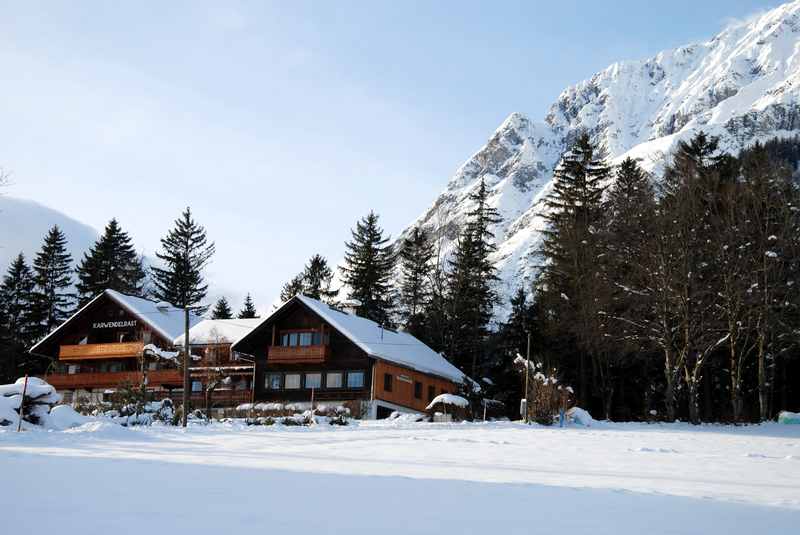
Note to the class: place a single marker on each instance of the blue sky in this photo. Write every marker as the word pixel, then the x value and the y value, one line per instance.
pixel 282 123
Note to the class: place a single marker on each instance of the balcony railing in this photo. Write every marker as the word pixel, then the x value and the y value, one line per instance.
pixel 100 351
pixel 298 354
pixel 113 379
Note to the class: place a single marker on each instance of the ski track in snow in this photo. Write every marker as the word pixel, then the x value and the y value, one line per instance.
pixel 417 478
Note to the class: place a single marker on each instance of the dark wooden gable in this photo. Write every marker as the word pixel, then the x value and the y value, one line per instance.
pixel 92 325
pixel 296 316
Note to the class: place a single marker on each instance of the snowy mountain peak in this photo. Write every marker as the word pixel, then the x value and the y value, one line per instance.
pixel 742 85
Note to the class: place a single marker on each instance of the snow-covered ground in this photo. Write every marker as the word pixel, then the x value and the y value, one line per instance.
pixel 387 478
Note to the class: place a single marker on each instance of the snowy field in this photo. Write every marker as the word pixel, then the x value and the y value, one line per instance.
pixel 392 478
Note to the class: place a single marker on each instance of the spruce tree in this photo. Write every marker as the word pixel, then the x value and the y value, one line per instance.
pixel 248 311
pixel 368 266
pixel 185 253
pixel 222 310
pixel 569 283
pixel 111 263
pixel 292 288
pixel 16 325
pixel 470 285
pixel 416 253
pixel 316 280
pixel 52 268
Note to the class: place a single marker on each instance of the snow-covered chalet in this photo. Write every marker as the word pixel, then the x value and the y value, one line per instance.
pixel 117 340
pixel 306 348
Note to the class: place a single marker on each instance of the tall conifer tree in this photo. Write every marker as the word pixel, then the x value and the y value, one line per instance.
pixel 416 254
pixel 569 283
pixel 470 285
pixel 111 263
pixel 369 262
pixel 52 269
pixel 185 253
pixel 16 323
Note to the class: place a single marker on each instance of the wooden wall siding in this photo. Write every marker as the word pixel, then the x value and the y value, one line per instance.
pixel 403 390
pixel 100 351
pixel 298 354
pixel 113 379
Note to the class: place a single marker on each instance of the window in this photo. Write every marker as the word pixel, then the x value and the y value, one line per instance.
pixel 292 339
pixel 387 382
pixel 317 338
pixel 291 381
pixel 431 393
pixel 355 379
pixel 313 380
pixel 273 381
pixel 306 339
pixel 73 369
pixel 333 380
pixel 197 386
pixel 284 340
pixel 152 365
pixel 417 390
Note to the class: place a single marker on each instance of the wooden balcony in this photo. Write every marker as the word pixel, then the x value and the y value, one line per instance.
pixel 298 354
pixel 100 351
pixel 113 379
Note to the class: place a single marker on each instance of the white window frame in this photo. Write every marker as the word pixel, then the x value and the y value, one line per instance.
pixel 341 379
pixel 292 375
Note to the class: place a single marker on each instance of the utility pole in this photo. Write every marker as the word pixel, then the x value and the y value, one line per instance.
pixel 186 359
pixel 527 377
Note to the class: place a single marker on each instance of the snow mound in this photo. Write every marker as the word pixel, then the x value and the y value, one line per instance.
pixel 37 390
pixel 578 416
pixel 65 417
pixel 39 398
pixel 786 417
pixel 448 399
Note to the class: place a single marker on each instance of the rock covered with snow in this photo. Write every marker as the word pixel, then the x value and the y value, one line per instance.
pixel 742 85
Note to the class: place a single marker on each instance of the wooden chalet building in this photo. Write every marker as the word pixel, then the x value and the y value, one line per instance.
pixel 210 344
pixel 103 347
pixel 307 346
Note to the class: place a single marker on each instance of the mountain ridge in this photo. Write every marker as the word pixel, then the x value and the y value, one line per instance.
pixel 742 85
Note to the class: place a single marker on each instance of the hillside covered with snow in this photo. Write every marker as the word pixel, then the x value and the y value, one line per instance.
pixel 24 224
pixel 742 85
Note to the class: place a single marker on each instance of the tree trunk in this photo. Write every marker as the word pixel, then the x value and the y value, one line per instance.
pixel 669 388
pixel 692 387
pixel 736 384
pixel 762 381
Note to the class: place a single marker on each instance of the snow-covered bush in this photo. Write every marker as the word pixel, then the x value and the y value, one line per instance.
pixel 39 398
pixel 545 396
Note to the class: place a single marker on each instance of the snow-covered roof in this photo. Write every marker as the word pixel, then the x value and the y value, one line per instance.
pixel 219 331
pixel 392 346
pixel 165 319
pixel 448 399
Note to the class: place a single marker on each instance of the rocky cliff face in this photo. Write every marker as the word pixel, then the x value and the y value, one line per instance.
pixel 743 85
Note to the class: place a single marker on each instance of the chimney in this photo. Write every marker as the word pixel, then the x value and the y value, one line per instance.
pixel 351 307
